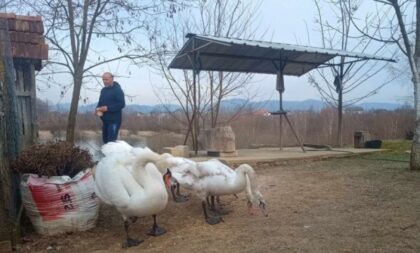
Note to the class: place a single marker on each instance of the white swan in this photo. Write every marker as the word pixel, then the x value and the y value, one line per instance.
pixel 126 152
pixel 215 178
pixel 131 184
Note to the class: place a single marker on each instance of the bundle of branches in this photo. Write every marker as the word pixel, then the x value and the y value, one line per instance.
pixel 53 159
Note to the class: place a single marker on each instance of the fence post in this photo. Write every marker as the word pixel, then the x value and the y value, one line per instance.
pixel 10 136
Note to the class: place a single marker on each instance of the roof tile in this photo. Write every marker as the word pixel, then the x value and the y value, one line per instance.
pixel 26 36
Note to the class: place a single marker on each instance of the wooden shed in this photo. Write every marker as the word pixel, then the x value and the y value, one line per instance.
pixel 22 49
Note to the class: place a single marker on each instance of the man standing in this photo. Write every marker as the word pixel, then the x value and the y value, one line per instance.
pixel 109 108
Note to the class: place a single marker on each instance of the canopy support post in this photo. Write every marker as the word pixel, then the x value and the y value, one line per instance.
pixel 196 67
pixel 281 112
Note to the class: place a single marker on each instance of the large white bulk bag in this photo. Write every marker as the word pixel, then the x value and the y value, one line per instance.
pixel 60 204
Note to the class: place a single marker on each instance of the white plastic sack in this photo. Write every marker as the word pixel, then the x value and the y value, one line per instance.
pixel 62 204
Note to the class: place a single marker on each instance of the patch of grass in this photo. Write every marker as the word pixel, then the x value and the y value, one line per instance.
pixel 396 151
pixel 397 145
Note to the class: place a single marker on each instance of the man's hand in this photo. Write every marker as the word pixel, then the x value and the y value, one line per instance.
pixel 102 108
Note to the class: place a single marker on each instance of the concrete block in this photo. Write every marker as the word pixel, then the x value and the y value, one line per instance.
pixel 220 139
pixel 181 151
pixel 167 150
pixel 228 154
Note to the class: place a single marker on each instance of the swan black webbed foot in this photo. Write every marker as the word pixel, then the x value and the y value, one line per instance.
pixel 131 242
pixel 156 230
pixel 177 196
pixel 212 220
pixel 216 209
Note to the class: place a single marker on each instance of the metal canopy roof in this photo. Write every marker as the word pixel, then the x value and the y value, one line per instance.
pixel 237 55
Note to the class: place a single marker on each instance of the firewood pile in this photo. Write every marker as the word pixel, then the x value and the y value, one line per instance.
pixel 53 159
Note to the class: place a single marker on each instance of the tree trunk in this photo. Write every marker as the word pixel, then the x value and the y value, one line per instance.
pixel 415 149
pixel 71 122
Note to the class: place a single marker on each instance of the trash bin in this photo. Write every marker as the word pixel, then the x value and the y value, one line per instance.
pixel 373 144
pixel 360 137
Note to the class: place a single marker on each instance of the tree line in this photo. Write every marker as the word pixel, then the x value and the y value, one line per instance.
pixel 252 128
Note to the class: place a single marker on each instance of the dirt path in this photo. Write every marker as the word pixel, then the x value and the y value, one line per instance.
pixel 339 205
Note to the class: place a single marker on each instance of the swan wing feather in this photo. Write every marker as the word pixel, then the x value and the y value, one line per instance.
pixel 117 147
pixel 114 183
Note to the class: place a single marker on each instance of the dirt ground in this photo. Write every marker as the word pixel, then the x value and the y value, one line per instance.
pixel 337 205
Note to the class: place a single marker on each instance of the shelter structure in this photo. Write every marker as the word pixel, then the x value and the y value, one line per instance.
pixel 22 49
pixel 210 53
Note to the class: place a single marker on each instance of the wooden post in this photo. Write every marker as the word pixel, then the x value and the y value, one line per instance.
pixel 10 145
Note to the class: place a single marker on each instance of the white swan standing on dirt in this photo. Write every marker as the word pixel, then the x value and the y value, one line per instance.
pixel 162 161
pixel 213 178
pixel 126 180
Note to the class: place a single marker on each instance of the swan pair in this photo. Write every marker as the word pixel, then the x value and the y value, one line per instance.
pixel 126 179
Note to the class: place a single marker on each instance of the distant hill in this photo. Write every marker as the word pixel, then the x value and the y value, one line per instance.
pixel 375 106
pixel 305 105
pixel 232 104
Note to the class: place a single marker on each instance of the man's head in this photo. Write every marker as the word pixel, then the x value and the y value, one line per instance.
pixel 107 79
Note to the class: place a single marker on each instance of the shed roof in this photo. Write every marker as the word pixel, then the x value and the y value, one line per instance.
pixel 26 36
pixel 238 55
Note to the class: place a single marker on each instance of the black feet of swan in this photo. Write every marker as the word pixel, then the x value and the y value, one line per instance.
pixel 156 230
pixel 130 242
pixel 177 196
pixel 212 220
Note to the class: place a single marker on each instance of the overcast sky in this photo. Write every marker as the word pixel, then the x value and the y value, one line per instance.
pixel 287 21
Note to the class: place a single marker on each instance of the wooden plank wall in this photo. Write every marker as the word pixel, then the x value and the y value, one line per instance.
pixel 26 103
pixel 5 228
pixel 26 93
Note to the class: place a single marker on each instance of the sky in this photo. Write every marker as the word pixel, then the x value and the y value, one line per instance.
pixel 286 21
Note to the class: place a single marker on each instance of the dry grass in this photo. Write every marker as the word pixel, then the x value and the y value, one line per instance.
pixel 339 205
pixel 251 129
pixel 53 159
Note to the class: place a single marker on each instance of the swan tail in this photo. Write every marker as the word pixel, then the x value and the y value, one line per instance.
pixel 120 147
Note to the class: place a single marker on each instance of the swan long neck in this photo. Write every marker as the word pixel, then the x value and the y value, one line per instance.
pixel 250 176
pixel 253 195
pixel 146 175
pixel 148 157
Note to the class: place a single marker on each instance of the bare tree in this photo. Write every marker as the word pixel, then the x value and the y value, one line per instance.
pixel 7 6
pixel 86 34
pixel 337 83
pixel 398 23
pixel 217 18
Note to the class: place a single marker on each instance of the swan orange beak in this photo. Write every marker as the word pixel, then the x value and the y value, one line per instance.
pixel 167 179
pixel 261 206
pixel 251 209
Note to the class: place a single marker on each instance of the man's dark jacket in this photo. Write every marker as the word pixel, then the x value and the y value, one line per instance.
pixel 113 98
